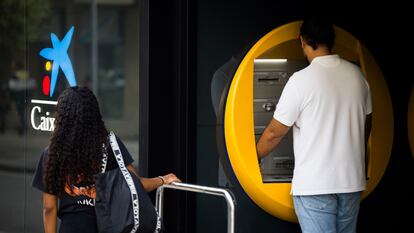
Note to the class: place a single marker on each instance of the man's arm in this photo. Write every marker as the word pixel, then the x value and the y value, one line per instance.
pixel 368 127
pixel 271 137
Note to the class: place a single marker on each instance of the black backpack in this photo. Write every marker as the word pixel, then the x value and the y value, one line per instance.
pixel 122 205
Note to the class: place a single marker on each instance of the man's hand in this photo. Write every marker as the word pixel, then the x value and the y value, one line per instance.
pixel 271 137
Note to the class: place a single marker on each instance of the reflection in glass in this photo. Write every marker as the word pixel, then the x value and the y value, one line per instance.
pixel 25 27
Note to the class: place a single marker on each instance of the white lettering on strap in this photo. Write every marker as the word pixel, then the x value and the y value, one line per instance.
pixel 128 179
pixel 104 159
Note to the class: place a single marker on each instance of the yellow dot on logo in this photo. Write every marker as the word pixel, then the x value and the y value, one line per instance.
pixel 48 66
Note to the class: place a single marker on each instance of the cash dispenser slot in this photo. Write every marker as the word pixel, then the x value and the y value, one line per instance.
pixel 269 79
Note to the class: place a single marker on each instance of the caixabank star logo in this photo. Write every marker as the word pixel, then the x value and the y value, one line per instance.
pixel 57 59
pixel 60 59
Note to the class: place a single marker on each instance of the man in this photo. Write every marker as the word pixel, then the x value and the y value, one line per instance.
pixel 327 104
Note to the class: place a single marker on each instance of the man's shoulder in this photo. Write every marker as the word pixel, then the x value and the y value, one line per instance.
pixel 301 74
pixel 350 65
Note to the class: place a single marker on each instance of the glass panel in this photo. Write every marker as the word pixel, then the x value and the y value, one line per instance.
pixel 108 39
pixel 13 83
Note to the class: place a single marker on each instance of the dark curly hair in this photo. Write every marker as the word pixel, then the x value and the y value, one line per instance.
pixel 78 141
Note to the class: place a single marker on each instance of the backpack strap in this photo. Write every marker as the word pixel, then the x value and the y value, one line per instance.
pixel 104 159
pixel 128 178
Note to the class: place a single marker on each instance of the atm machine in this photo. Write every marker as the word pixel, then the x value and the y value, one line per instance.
pixel 269 79
pixel 252 98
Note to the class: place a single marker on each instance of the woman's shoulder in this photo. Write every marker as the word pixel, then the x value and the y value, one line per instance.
pixel 45 153
pixel 118 139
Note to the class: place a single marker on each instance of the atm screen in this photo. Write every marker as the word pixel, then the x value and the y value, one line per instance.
pixel 270 77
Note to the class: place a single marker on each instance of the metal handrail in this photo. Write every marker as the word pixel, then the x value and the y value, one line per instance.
pixel 200 189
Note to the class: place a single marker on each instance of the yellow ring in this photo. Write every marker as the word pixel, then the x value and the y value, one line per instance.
pixel 275 198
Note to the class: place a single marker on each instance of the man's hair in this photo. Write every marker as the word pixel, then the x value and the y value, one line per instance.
pixel 318 31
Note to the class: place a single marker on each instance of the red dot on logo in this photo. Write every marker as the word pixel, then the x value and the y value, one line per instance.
pixel 46 85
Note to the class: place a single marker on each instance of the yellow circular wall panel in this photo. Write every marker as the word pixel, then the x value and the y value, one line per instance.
pixel 275 198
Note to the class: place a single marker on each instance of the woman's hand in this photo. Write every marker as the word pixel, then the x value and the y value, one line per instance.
pixel 169 178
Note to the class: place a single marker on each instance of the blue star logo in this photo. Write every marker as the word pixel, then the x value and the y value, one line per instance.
pixel 59 55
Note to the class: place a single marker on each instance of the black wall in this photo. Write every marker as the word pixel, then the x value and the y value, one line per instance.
pixel 167 103
pixel 190 40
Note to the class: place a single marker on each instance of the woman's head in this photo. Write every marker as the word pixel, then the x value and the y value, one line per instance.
pixel 76 145
pixel 77 107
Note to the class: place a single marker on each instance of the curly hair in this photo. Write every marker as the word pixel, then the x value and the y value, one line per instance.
pixel 78 141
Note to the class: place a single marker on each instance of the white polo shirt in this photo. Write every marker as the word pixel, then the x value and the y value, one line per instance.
pixel 326 103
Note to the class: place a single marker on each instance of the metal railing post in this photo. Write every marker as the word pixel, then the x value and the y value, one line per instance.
pixel 231 204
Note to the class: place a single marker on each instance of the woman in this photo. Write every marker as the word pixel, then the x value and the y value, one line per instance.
pixel 67 166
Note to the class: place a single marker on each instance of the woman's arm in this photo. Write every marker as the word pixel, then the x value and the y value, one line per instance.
pixel 49 212
pixel 151 184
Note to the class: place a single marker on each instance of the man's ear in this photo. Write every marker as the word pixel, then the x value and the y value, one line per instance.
pixel 302 42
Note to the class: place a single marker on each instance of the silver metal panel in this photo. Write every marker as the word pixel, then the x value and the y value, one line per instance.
pixel 269 81
pixel 263 112
pixel 278 165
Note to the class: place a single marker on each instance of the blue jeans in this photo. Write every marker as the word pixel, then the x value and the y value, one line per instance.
pixel 328 213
